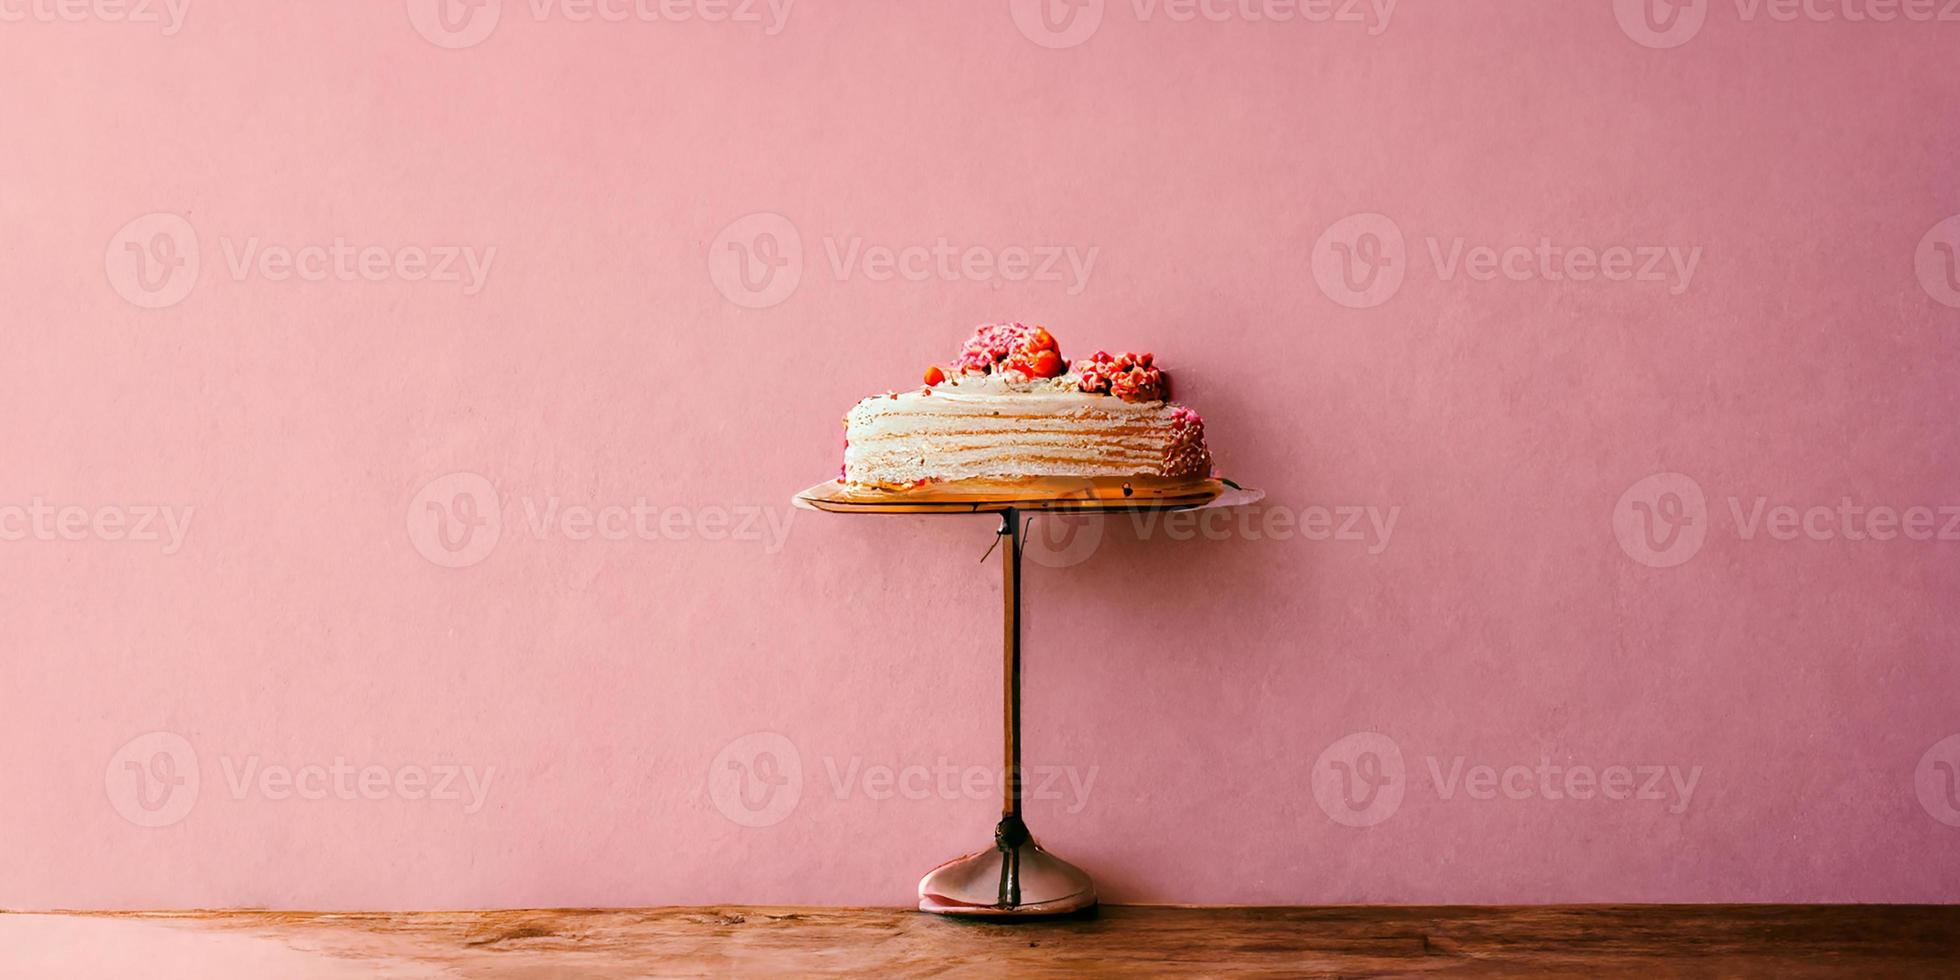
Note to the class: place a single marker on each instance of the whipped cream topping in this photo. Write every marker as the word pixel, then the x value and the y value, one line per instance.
pixel 1003 384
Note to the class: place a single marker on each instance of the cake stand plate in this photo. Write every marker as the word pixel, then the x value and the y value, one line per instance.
pixel 1038 494
pixel 1016 878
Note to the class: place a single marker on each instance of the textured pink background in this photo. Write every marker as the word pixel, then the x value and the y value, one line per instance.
pixel 1201 680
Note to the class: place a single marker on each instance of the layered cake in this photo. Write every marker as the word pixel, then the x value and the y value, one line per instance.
pixel 1010 408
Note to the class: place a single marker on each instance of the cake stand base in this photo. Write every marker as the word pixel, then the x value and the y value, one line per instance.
pixel 1014 879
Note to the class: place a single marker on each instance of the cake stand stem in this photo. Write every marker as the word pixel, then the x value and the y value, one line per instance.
pixel 1011 832
pixel 1014 879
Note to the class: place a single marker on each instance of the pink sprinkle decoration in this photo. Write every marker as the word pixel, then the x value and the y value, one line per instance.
pixel 994 343
pixel 1130 377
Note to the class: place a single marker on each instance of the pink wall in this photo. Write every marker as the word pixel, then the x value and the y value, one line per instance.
pixel 1576 574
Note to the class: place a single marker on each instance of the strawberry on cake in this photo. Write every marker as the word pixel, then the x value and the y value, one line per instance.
pixel 1012 409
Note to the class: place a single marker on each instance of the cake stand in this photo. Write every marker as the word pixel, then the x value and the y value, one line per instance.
pixel 1016 878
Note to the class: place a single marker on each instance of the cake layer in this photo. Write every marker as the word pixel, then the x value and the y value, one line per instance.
pixel 981 428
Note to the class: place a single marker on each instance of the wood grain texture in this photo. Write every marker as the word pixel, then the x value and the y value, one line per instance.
pixel 1352 941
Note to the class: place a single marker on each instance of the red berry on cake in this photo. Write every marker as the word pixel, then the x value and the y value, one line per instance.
pixel 934 375
pixel 1009 347
pixel 1047 363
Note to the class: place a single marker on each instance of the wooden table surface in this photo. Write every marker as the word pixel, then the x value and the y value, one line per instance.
pixel 1353 941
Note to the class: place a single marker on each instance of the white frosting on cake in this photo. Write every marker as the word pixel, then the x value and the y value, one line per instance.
pixel 990 427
